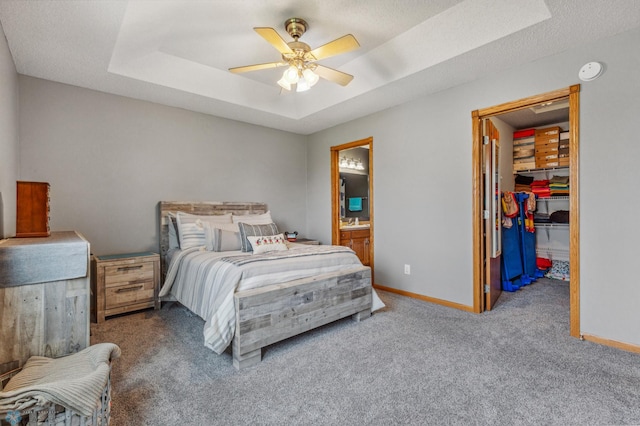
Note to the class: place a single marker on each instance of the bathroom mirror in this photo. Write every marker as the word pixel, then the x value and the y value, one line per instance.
pixel 354 183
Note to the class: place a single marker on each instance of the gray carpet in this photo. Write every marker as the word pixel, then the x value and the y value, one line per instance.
pixel 411 363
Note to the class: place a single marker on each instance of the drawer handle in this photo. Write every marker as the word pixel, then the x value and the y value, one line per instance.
pixel 134 288
pixel 129 268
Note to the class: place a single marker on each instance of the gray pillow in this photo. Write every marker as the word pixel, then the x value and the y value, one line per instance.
pixel 218 239
pixel 173 231
pixel 248 230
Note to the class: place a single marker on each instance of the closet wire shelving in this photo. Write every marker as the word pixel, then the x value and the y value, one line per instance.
pixel 550 252
pixel 545 225
pixel 544 170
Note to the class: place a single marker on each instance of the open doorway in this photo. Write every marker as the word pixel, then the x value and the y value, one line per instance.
pixel 483 263
pixel 352 198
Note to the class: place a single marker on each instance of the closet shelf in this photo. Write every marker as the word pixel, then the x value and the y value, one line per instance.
pixel 550 225
pixel 552 250
pixel 553 253
pixel 554 198
pixel 548 169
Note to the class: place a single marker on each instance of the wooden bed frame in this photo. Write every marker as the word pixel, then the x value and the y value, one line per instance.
pixel 270 314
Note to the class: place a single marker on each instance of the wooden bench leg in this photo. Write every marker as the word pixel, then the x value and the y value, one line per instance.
pixel 247 360
pixel 362 315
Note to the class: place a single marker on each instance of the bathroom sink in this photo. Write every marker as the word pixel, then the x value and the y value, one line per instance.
pixel 360 226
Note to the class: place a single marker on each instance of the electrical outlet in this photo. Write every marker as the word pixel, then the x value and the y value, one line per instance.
pixel 407 269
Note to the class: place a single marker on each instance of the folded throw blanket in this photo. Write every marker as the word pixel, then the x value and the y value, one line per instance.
pixel 75 381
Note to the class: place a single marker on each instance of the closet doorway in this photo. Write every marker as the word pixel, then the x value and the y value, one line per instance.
pixel 352 198
pixel 484 261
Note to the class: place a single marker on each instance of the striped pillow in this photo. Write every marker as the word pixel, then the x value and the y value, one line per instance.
pixel 190 234
pixel 248 230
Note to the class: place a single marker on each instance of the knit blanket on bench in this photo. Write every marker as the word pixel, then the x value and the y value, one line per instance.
pixel 75 381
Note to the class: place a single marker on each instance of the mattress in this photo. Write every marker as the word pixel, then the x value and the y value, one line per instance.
pixel 205 281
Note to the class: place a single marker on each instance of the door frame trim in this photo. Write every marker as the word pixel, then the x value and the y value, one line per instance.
pixel 573 94
pixel 335 194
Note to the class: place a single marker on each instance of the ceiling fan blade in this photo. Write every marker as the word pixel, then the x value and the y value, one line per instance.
pixel 340 45
pixel 336 76
pixel 274 38
pixel 257 67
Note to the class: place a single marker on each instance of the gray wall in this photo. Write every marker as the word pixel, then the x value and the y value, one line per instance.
pixel 423 186
pixel 9 159
pixel 110 159
pixel 609 176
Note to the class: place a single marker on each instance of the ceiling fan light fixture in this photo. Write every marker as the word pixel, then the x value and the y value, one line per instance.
pixel 311 77
pixel 302 85
pixel 296 27
pixel 299 59
pixel 291 75
pixel 284 84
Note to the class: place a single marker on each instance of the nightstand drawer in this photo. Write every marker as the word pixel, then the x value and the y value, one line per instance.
pixel 118 274
pixel 133 292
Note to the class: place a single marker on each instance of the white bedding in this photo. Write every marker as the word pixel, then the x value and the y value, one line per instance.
pixel 205 281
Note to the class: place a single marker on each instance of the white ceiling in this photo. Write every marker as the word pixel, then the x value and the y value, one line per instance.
pixel 178 52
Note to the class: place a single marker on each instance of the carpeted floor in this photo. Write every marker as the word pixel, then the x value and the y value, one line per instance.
pixel 411 363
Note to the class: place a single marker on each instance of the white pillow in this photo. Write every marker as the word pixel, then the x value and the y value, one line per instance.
pixel 221 237
pixel 192 235
pixel 268 243
pixel 253 219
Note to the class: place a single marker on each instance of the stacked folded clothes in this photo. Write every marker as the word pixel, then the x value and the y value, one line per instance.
pixel 524 152
pixel 560 216
pixel 559 185
pixel 541 188
pixel 523 183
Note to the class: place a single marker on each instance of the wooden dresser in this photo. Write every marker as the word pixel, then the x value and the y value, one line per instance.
pixel 125 283
pixel 44 297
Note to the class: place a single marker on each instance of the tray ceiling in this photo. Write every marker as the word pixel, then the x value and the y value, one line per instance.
pixel 178 53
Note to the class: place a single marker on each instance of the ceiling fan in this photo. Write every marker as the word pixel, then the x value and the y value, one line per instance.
pixel 303 69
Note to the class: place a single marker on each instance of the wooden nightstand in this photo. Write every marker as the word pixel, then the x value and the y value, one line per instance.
pixel 124 282
pixel 307 241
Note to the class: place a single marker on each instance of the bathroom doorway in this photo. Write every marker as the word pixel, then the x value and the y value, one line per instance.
pixel 352 198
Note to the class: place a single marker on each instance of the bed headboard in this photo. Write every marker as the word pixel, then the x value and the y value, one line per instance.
pixel 203 208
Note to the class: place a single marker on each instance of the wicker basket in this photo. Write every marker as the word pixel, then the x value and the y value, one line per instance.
pixel 57 415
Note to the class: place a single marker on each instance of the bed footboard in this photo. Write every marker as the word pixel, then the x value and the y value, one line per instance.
pixel 270 314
